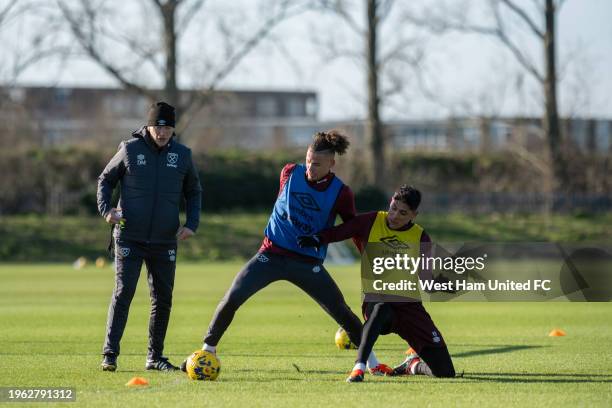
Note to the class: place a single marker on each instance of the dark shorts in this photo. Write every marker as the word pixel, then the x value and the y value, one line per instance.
pixel 412 323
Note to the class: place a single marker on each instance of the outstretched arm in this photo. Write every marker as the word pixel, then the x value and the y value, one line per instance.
pixel 357 227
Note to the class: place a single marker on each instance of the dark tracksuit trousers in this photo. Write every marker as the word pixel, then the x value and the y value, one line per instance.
pixel 435 361
pixel 160 260
pixel 265 268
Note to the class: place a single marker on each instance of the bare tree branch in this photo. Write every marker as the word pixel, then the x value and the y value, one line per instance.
pixel 20 64
pixel 398 49
pixel 232 61
pixel 190 13
pixel 385 7
pixel 525 17
pixel 147 54
pixel 339 8
pixel 87 42
pixel 520 57
pixel 4 13
pixel 498 31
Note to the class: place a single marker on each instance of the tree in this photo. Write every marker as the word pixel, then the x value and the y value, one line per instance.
pixel 89 24
pixel 23 48
pixel 385 57
pixel 542 28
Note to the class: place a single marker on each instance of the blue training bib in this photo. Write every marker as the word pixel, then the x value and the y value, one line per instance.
pixel 302 210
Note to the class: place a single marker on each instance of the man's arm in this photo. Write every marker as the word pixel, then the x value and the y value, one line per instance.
pixel 345 207
pixel 358 228
pixel 192 189
pixel 107 181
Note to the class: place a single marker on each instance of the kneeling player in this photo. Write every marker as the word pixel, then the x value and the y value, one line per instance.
pixel 408 319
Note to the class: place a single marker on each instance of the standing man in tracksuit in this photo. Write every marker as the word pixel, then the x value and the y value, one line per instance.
pixel 309 198
pixel 155 172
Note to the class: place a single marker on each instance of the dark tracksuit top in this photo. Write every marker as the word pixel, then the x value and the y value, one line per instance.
pixel 153 182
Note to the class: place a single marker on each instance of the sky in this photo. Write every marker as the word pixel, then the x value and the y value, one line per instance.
pixel 461 73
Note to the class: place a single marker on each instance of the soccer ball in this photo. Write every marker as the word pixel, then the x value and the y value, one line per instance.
pixel 342 340
pixel 203 365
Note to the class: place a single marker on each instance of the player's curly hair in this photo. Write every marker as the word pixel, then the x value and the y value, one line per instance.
pixel 409 196
pixel 331 141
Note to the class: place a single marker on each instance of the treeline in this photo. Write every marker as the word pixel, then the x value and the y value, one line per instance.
pixel 63 181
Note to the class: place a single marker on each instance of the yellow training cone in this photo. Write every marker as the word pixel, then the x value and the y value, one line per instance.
pixel 137 382
pixel 100 262
pixel 556 333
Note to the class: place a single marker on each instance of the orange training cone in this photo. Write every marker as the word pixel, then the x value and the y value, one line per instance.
pixel 556 333
pixel 410 351
pixel 137 382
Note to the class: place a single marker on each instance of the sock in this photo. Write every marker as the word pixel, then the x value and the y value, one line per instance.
pixel 359 366
pixel 420 368
pixel 211 349
pixel 372 360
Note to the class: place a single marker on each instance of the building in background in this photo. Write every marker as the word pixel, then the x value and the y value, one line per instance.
pixel 61 115
pixel 264 120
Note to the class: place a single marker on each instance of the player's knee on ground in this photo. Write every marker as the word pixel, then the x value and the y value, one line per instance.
pixel 439 361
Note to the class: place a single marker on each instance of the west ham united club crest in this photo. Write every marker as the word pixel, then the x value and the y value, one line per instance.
pixel 172 160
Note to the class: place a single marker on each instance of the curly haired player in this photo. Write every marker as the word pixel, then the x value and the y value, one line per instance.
pixel 308 201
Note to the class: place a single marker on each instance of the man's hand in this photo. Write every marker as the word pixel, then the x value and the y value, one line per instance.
pixel 184 233
pixel 309 241
pixel 114 217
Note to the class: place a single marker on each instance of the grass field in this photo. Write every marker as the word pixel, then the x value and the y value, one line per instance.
pixel 52 322
pixel 232 236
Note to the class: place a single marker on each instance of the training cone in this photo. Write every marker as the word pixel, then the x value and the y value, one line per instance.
pixel 137 382
pixel 410 351
pixel 556 333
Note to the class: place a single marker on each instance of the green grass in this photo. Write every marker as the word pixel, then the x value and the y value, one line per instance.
pixel 52 321
pixel 233 236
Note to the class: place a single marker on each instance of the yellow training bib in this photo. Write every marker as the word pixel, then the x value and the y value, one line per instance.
pixel 386 267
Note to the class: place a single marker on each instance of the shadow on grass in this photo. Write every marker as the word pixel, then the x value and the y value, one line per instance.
pixel 496 350
pixel 529 378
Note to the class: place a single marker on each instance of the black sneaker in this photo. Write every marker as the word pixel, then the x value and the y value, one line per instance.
pixel 184 366
pixel 161 364
pixel 109 363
